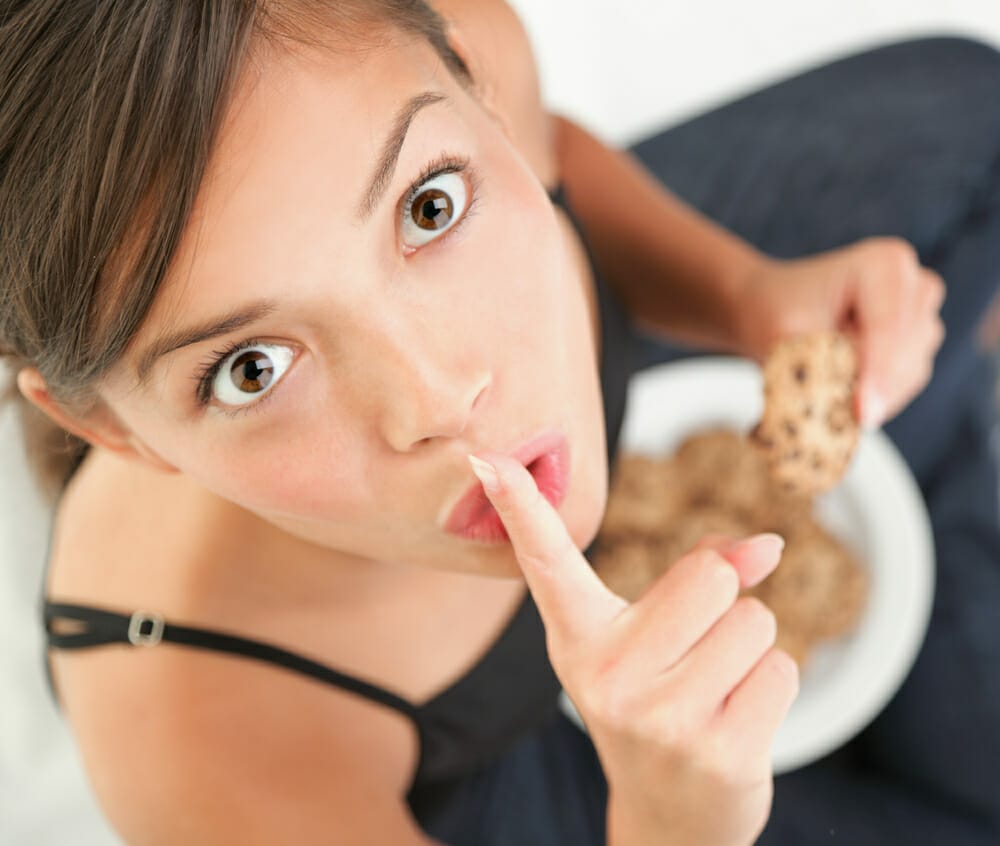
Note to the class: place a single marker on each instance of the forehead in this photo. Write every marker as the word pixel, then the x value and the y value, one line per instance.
pixel 301 134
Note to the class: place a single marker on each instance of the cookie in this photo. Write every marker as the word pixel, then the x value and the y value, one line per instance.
pixel 720 470
pixel 627 567
pixel 717 482
pixel 808 430
pixel 818 590
pixel 644 497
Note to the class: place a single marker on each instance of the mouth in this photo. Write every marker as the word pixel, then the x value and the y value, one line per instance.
pixel 546 458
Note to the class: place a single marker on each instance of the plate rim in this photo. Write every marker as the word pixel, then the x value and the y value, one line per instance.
pixel 790 750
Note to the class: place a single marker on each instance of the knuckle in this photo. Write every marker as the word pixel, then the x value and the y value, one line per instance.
pixel 786 321
pixel 937 289
pixel 717 571
pixel 784 666
pixel 939 333
pixel 900 253
pixel 546 554
pixel 756 615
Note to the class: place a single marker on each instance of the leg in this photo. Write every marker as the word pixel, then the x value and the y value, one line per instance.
pixel 903 140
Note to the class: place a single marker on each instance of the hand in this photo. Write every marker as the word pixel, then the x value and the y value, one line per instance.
pixel 681 691
pixel 874 290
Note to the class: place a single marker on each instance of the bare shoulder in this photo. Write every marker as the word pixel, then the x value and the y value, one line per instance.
pixel 191 746
pixel 502 61
pixel 182 746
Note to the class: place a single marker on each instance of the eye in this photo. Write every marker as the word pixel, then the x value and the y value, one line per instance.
pixel 434 206
pixel 249 372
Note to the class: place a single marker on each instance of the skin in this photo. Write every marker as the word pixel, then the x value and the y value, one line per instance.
pixel 320 513
pixel 404 360
pixel 681 687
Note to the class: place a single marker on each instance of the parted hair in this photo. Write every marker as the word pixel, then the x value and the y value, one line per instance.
pixel 108 113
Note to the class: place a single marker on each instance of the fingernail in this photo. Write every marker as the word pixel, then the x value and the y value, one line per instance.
pixel 873 409
pixel 768 541
pixel 486 474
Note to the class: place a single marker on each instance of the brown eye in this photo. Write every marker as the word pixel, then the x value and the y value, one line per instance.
pixel 437 205
pixel 252 371
pixel 249 372
pixel 432 209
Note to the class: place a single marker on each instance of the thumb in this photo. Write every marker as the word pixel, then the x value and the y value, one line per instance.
pixel 570 596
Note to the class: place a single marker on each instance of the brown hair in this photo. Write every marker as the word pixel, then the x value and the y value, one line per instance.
pixel 108 111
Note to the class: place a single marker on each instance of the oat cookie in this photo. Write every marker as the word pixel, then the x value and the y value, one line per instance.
pixel 808 431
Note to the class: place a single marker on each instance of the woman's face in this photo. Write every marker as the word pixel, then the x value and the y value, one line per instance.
pixel 368 352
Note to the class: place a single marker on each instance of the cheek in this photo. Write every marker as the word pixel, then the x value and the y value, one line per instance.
pixel 312 473
pixel 525 278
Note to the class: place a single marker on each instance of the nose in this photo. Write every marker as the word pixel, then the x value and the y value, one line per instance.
pixel 430 389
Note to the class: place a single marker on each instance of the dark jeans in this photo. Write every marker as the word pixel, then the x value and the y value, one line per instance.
pixel 902 140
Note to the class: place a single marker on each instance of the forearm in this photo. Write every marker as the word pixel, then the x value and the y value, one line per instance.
pixel 680 275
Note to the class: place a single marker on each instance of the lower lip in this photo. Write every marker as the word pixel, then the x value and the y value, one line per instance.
pixel 551 473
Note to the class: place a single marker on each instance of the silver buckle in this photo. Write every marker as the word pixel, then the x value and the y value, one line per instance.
pixel 137 637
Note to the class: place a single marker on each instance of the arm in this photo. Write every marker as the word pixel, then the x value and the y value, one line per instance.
pixel 686 278
pixel 680 274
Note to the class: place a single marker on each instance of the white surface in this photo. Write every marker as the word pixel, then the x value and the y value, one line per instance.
pixel 876 510
pixel 625 69
pixel 44 798
pixel 622 69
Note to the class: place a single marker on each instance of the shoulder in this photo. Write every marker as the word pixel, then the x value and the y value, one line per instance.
pixel 121 530
pixel 248 752
pixel 498 49
pixel 184 746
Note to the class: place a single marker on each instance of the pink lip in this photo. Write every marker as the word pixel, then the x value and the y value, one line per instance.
pixel 547 459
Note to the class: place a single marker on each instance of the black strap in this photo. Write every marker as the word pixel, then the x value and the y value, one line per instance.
pixel 148 629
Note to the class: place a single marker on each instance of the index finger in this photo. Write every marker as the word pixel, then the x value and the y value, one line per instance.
pixel 570 596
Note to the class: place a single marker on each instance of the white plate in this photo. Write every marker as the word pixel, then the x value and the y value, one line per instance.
pixel 877 510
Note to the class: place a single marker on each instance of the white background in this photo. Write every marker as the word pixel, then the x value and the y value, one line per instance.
pixel 623 69
pixel 627 68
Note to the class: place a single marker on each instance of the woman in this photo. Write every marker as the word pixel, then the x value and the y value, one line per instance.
pixel 283 266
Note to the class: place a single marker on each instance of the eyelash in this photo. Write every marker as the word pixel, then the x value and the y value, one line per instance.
pixel 209 368
pixel 446 163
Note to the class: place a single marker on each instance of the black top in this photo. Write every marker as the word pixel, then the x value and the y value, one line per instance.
pixel 509 692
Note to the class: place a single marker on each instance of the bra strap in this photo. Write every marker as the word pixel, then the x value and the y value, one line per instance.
pixel 144 628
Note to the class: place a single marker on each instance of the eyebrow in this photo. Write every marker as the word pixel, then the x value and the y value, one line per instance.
pixel 377 186
pixel 167 343
pixel 382 175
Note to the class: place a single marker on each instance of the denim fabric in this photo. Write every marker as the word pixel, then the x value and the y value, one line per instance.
pixel 899 140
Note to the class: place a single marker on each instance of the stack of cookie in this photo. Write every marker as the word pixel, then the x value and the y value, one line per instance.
pixel 720 481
